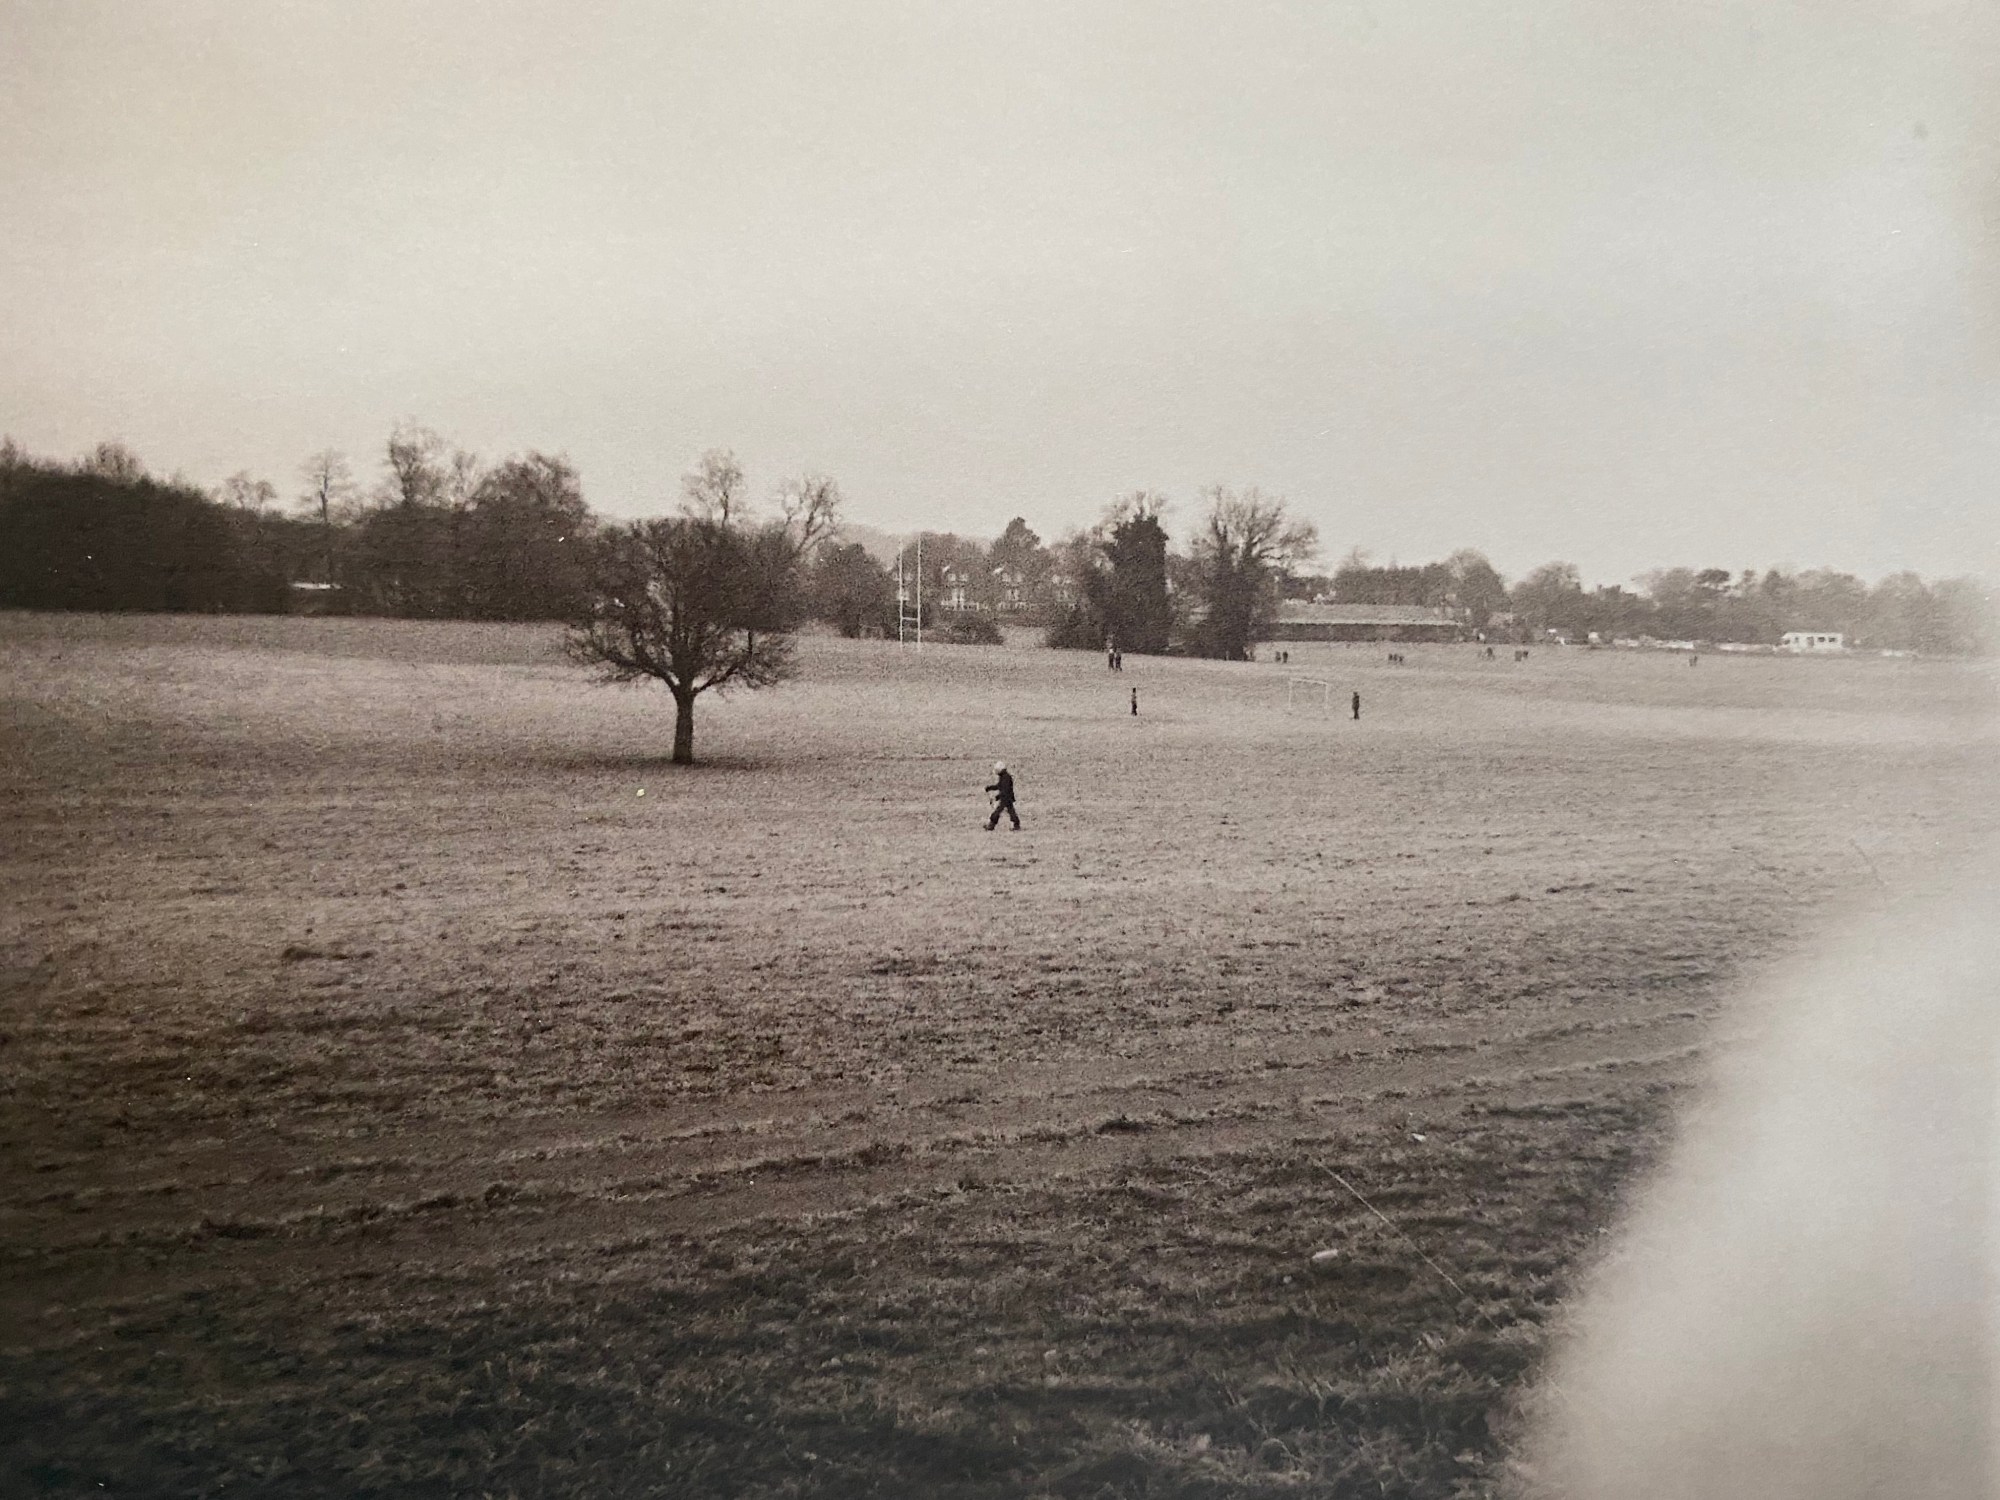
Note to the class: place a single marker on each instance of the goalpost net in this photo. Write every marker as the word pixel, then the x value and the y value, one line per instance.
pixel 1300 692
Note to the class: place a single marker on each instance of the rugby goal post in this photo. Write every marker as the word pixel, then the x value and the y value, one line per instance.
pixel 1299 692
pixel 909 614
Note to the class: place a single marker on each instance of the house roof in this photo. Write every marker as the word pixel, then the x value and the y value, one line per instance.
pixel 1295 612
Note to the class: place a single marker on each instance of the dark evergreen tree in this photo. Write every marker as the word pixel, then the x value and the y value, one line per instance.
pixel 1137 612
pixel 852 592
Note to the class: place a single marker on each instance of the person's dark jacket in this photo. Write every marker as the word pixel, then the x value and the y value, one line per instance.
pixel 1005 788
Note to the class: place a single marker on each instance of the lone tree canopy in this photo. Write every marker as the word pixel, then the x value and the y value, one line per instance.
pixel 704 599
pixel 1246 542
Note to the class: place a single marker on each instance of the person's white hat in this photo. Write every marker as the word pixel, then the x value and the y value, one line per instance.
pixel 999 765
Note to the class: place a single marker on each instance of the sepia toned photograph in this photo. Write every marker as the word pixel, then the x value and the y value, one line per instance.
pixel 1073 751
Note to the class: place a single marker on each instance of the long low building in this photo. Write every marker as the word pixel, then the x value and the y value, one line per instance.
pixel 1366 622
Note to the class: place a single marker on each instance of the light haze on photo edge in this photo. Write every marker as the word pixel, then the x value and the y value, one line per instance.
pixel 1631 285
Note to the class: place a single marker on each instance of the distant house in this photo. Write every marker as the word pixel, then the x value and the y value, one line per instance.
pixel 957 589
pixel 1812 640
pixel 1299 621
pixel 1013 589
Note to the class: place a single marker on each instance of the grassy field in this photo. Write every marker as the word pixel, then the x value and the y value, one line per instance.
pixel 398 1102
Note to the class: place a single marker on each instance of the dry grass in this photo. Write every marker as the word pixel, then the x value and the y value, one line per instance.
pixel 397 1103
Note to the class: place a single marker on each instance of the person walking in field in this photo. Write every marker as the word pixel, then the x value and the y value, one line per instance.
pixel 1002 792
pixel 1357 705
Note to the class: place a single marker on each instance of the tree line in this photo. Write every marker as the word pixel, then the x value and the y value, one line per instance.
pixel 1902 612
pixel 438 533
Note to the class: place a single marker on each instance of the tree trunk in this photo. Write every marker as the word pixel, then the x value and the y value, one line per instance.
pixel 683 729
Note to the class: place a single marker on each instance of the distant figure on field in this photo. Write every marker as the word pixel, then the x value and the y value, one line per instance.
pixel 1003 796
pixel 1110 657
pixel 1694 661
pixel 1357 706
pixel 1135 703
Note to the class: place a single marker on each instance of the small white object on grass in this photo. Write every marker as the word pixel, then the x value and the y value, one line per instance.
pixel 642 791
pixel 1324 1260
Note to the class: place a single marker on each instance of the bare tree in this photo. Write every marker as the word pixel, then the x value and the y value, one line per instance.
pixel 329 488
pixel 423 469
pixel 1551 597
pixel 399 559
pixel 519 546
pixel 1476 587
pixel 706 599
pixel 1245 542
pixel 809 507
pixel 714 489
pixel 113 461
pixel 243 492
pixel 329 484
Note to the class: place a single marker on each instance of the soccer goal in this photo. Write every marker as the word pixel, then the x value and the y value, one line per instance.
pixel 1301 691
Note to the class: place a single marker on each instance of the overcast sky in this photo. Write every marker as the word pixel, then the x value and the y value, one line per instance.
pixel 1627 284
